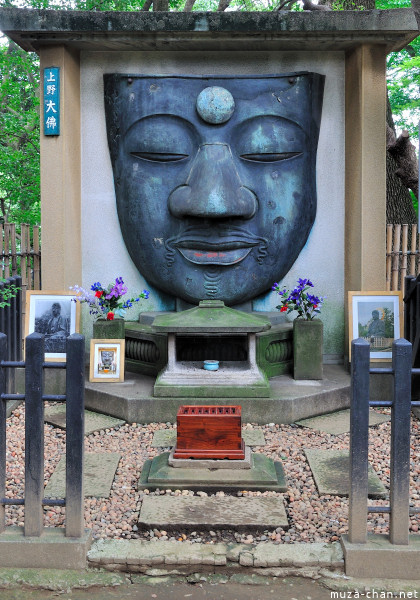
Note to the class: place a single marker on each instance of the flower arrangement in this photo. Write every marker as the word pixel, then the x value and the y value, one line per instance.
pixel 307 305
pixel 107 300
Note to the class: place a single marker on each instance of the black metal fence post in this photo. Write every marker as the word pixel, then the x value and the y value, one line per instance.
pixel 75 383
pixel 3 356
pixel 400 442
pixel 359 433
pixel 34 434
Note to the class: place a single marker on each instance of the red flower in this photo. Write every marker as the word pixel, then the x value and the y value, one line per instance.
pixel 98 294
pixel 315 305
pixel 110 316
pixel 283 308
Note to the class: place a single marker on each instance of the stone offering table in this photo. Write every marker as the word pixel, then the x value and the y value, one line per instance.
pixel 212 325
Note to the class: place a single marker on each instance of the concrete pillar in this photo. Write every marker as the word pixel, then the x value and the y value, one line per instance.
pixel 60 178
pixel 365 177
pixel 365 168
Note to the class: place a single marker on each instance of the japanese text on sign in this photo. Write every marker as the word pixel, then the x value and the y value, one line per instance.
pixel 52 101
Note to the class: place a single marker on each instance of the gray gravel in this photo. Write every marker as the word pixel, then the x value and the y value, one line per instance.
pixel 313 518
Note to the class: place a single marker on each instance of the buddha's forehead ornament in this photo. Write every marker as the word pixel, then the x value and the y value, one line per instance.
pixel 214 178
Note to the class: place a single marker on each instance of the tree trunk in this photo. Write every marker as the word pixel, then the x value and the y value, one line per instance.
pixel 399 207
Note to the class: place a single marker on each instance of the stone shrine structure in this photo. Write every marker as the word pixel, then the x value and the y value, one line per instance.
pixel 345 247
pixel 149 102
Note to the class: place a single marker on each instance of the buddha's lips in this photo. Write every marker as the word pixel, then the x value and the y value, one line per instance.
pixel 225 251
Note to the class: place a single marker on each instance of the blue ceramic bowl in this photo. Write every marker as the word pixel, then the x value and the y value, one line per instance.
pixel 211 365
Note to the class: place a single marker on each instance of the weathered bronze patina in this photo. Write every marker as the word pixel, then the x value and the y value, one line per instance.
pixel 214 178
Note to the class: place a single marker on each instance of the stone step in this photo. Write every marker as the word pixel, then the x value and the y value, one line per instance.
pixel 213 512
pixel 289 400
pixel 145 556
pixel 264 475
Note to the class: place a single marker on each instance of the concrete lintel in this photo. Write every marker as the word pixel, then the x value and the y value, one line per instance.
pixel 52 550
pixel 337 30
pixel 378 558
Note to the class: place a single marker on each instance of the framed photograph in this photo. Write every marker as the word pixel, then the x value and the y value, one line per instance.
pixel 56 316
pixel 107 360
pixel 377 317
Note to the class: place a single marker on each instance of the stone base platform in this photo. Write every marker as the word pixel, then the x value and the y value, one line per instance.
pixel 289 401
pixel 52 550
pixel 264 475
pixel 380 559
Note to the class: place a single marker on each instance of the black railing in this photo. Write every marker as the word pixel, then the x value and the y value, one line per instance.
pixel 399 508
pixel 34 432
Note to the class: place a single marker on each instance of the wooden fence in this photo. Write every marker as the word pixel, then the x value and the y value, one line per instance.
pixel 21 254
pixel 402 255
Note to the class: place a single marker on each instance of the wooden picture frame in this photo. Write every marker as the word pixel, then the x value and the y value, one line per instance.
pixel 378 318
pixel 110 370
pixel 54 314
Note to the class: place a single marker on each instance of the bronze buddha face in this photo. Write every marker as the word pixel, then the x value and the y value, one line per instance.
pixel 214 178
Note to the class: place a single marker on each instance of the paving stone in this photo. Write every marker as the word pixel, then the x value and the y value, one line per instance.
pixel 339 422
pixel 330 469
pixel 227 512
pixel 56 415
pixel 166 438
pixel 298 555
pixel 144 553
pixel 264 474
pixel 253 437
pixel 98 476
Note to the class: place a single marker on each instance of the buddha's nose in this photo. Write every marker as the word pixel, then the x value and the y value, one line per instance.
pixel 213 189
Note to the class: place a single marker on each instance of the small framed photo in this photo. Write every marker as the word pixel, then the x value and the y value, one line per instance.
pixel 377 317
pixel 55 315
pixel 107 360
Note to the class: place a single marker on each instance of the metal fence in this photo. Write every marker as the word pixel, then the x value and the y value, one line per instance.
pixel 399 508
pixel 34 398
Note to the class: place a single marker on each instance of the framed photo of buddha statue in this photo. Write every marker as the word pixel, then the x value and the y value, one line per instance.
pixel 107 360
pixel 56 316
pixel 376 317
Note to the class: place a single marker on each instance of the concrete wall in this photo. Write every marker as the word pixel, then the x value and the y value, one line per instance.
pixel 322 259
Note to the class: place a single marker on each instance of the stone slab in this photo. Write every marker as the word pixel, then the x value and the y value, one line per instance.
pixel 330 469
pixel 264 474
pixel 165 438
pixel 339 422
pixel 233 379
pixel 378 558
pixel 52 550
pixel 56 415
pixel 208 463
pixel 98 476
pixel 215 512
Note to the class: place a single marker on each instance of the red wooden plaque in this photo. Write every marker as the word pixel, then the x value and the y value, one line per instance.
pixel 209 432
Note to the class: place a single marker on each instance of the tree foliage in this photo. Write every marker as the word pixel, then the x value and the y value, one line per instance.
pixel 19 138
